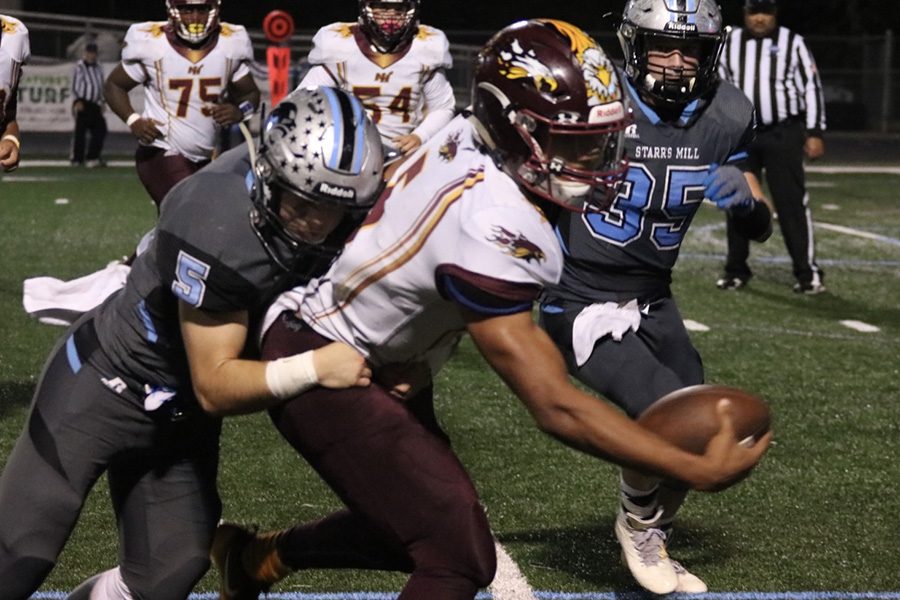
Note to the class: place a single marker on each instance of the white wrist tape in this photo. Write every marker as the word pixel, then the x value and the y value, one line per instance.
pixel 291 375
pixel 132 118
pixel 11 138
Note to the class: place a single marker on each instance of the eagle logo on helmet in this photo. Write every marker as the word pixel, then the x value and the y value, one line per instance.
pixel 518 63
pixel 599 73
pixel 516 244
pixel 602 86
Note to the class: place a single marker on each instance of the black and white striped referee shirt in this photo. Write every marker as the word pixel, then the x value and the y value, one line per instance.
pixel 778 74
pixel 87 82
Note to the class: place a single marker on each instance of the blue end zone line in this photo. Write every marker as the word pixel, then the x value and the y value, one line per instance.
pixel 547 595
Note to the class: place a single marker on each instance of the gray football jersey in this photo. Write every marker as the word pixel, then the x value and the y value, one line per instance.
pixel 629 250
pixel 205 253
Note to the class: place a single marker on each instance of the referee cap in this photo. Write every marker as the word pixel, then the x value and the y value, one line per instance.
pixel 760 5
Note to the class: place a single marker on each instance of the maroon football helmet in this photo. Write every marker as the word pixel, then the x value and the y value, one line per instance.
pixel 389 24
pixel 553 112
pixel 188 29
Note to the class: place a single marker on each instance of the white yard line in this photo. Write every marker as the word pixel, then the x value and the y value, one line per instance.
pixel 509 583
pixel 39 162
pixel 858 233
pixel 692 325
pixel 854 170
pixel 860 326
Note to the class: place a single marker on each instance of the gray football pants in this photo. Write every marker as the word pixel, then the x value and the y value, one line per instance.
pixel 162 479
pixel 637 371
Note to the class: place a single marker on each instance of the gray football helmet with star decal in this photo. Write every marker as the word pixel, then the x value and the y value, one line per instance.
pixel 320 145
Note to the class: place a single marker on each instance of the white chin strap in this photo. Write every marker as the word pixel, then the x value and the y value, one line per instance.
pixel 570 192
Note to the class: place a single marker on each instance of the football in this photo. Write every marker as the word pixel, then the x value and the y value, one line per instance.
pixel 687 417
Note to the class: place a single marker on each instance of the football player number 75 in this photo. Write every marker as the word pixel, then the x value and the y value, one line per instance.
pixel 207 90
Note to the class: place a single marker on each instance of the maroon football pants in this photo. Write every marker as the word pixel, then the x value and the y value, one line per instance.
pixel 159 173
pixel 411 505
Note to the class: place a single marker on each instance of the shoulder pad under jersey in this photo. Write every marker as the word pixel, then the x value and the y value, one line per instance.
pixel 144 42
pixel 15 39
pixel 333 43
pixel 432 48
pixel 236 41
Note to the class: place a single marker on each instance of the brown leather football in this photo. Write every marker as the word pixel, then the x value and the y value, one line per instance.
pixel 687 417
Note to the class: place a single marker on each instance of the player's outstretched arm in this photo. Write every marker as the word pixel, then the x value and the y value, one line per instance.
pixel 528 361
pixel 226 384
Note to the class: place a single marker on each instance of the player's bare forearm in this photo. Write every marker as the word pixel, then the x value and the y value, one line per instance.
pixel 9 145
pixel 244 90
pixel 115 91
pixel 227 384
pixel 528 361
pixel 223 382
pixel 10 127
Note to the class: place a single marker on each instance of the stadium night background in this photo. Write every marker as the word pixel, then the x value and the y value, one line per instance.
pixel 805 16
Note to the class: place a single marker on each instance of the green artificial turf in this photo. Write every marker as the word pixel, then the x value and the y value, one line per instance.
pixel 818 513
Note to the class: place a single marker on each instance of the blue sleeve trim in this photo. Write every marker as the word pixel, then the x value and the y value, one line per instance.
pixel 551 309
pixel 455 294
pixel 152 336
pixel 72 354
pixel 562 243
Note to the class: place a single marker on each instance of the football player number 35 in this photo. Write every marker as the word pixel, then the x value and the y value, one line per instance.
pixel 190 283
pixel 624 223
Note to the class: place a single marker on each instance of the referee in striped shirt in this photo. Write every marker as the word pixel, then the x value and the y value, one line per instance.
pixel 775 69
pixel 87 90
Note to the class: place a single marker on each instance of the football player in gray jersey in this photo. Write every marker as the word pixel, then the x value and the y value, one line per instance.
pixel 612 313
pixel 137 386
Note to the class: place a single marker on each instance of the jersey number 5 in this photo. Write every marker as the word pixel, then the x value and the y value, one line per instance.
pixel 190 283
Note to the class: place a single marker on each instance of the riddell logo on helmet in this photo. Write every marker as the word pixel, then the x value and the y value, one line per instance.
pixel 336 191
pixel 676 26
pixel 607 113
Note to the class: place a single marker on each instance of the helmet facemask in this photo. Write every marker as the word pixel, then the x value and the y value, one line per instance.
pixel 187 19
pixel 672 85
pixel 574 164
pixel 389 25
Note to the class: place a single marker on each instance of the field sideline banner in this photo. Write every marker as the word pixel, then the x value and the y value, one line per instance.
pixel 45 98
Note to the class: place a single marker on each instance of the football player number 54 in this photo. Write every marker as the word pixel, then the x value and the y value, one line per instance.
pixel 399 105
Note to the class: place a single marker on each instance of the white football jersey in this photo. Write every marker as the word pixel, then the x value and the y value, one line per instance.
pixel 181 84
pixel 447 211
pixel 14 52
pixel 392 87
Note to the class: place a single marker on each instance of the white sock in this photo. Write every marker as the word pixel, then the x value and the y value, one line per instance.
pixel 108 585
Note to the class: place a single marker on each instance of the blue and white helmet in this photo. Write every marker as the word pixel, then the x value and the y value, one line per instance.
pixel 672 21
pixel 320 145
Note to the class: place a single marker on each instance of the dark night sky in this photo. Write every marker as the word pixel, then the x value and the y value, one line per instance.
pixel 805 16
